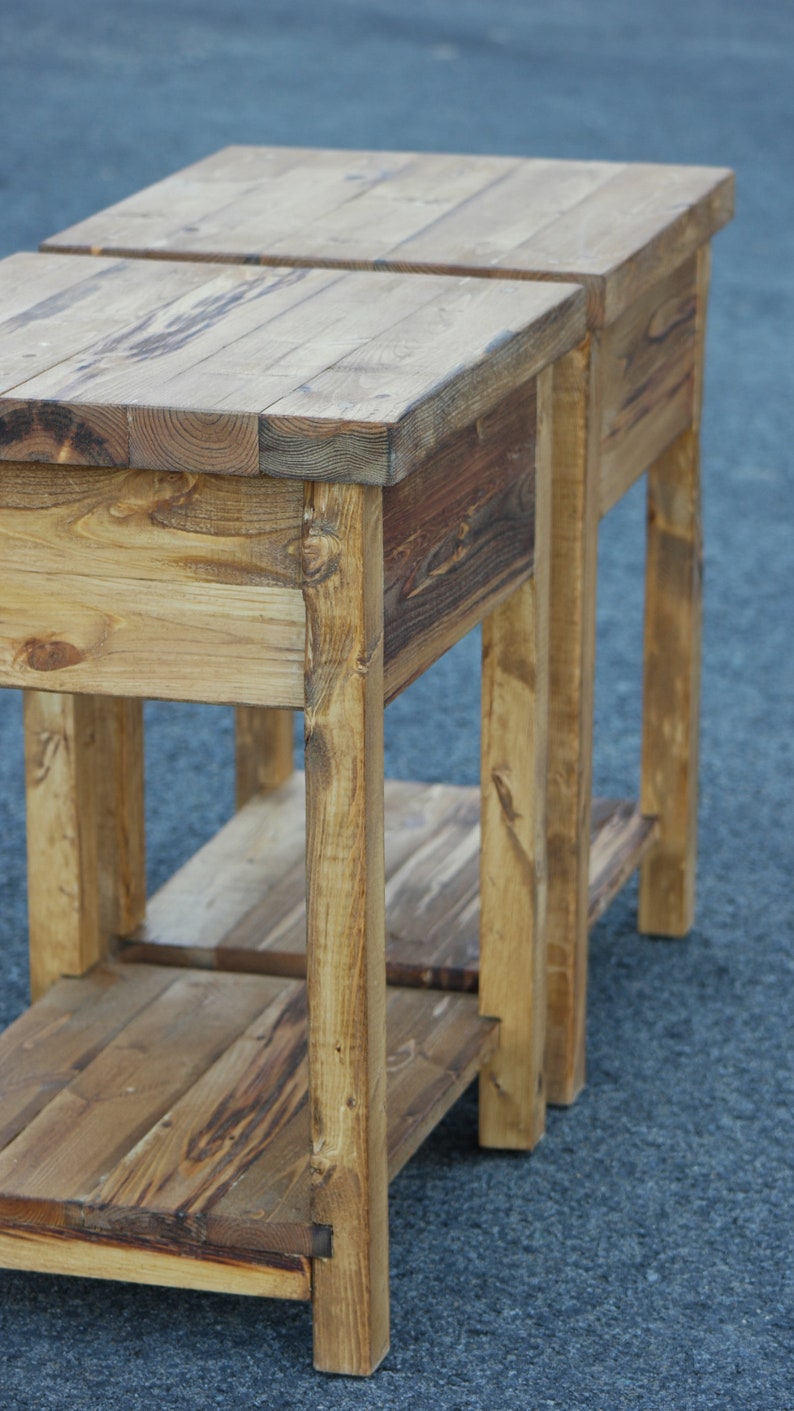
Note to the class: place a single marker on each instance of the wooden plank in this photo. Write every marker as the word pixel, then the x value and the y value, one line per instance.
pixel 621 839
pixel 156 526
pixel 65 935
pixel 513 879
pixel 43 1050
pixel 263 750
pixel 458 536
pixel 672 649
pixel 574 540
pixel 233 371
pixel 121 822
pixel 56 1165
pixel 396 399
pixel 180 642
pixel 647 369
pixel 343 574
pixel 617 227
pixel 89 1257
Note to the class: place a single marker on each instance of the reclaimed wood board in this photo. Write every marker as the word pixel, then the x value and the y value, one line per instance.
pixel 296 373
pixel 239 903
pixel 156 1115
pixel 616 227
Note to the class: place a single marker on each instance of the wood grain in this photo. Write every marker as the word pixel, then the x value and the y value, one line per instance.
pixel 617 227
pixel 458 536
pixel 263 750
pixel 647 362
pixel 107 636
pixel 297 373
pixel 343 578
pixel 574 539
pixel 671 683
pixel 121 823
pixel 65 934
pixel 513 877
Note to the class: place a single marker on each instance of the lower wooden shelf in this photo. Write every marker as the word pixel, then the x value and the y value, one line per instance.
pixel 239 903
pixel 154 1123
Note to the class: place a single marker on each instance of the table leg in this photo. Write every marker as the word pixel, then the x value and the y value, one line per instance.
pixel 263 749
pixel 513 823
pixel 671 690
pixel 574 538
pixel 343 587
pixel 84 790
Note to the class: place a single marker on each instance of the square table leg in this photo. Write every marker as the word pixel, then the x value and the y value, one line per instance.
pixel 346 963
pixel 513 874
pixel 671 688
pixel 263 750
pixel 85 828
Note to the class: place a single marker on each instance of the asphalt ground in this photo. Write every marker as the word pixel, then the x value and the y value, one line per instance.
pixel 642 1257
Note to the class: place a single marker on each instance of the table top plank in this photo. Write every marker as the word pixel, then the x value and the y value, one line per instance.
pixel 301 373
pixel 614 227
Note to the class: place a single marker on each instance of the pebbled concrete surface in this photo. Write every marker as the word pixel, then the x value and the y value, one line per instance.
pixel 642 1257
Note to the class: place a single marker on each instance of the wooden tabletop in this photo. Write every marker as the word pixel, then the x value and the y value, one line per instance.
pixel 612 226
pixel 313 374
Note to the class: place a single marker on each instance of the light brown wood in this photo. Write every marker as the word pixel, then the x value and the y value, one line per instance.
pixel 647 363
pixel 233 371
pixel 617 227
pixel 110 637
pixel 343 587
pixel 121 823
pixel 574 539
pixel 263 750
pixel 90 1257
pixel 60 789
pixel 671 685
pixel 513 876
pixel 151 526
pixel 239 903
pixel 458 536
pixel 211 1160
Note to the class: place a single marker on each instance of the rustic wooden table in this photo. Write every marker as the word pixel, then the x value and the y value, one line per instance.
pixel 280 489
pixel 626 401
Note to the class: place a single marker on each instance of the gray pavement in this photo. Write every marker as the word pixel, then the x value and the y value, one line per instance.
pixel 642 1257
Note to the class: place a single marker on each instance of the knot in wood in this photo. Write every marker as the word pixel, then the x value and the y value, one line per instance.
pixel 320 553
pixel 50 656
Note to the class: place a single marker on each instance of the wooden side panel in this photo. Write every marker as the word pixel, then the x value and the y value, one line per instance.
pixel 263 750
pixel 60 787
pixel 90 1257
pixel 343 572
pixel 119 636
pixel 513 819
pixel 458 536
pixel 121 823
pixel 573 628
pixel 671 686
pixel 647 370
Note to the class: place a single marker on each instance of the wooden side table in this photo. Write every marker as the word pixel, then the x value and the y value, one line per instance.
pixel 247 486
pixel 628 400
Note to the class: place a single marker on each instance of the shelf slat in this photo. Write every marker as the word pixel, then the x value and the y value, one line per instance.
pixel 239 902
pixel 164 1111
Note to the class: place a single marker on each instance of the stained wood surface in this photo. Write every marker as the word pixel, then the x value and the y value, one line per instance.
pixel 61 772
pixel 239 902
pixel 345 957
pixel 647 370
pixel 178 585
pixel 263 750
pixel 296 373
pixel 458 536
pixel 574 549
pixel 155 1115
pixel 672 652
pixel 120 814
pixel 616 227
pixel 513 826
